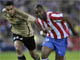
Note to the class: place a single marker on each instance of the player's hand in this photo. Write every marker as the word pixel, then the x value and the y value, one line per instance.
pixel 43 33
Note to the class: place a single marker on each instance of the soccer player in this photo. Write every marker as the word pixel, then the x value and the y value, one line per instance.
pixel 54 25
pixel 21 30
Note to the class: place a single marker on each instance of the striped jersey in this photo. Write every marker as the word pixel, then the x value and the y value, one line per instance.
pixel 56 23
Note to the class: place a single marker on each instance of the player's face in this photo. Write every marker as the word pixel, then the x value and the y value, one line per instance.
pixel 10 10
pixel 39 13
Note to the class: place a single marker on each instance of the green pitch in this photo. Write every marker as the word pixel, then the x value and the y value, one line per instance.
pixel 12 56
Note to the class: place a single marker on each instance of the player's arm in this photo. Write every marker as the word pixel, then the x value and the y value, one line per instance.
pixel 43 31
pixel 68 20
pixel 4 11
pixel 26 16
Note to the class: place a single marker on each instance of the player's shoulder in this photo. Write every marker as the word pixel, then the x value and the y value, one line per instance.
pixel 53 12
pixel 39 20
pixel 48 12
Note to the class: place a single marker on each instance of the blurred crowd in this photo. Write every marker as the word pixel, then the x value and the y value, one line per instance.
pixel 68 7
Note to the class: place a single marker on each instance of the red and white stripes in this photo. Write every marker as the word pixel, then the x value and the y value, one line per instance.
pixel 55 21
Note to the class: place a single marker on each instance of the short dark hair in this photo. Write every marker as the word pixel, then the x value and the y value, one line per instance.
pixel 8 3
pixel 39 6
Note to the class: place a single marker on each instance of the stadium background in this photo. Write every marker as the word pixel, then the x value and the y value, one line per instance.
pixel 68 7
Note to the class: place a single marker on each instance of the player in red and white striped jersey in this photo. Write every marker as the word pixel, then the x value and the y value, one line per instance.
pixel 57 31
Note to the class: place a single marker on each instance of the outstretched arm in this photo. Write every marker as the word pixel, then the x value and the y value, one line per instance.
pixel 68 20
pixel 26 16
pixel 42 28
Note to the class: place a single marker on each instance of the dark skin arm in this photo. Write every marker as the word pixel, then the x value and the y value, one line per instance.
pixel 68 20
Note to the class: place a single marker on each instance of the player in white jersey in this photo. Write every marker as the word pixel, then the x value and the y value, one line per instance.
pixel 55 25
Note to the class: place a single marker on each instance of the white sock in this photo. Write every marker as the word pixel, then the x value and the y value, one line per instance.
pixel 45 59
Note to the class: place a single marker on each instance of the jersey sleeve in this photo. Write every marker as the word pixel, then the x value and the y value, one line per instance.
pixel 41 24
pixel 56 16
pixel 31 18
pixel 26 16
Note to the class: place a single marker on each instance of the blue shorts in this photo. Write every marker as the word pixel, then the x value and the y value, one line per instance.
pixel 59 45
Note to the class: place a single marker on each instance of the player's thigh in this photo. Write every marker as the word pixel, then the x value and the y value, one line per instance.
pixel 61 46
pixel 18 45
pixel 58 57
pixel 46 51
pixel 29 42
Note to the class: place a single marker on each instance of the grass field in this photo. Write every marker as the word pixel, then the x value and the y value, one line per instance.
pixel 70 55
